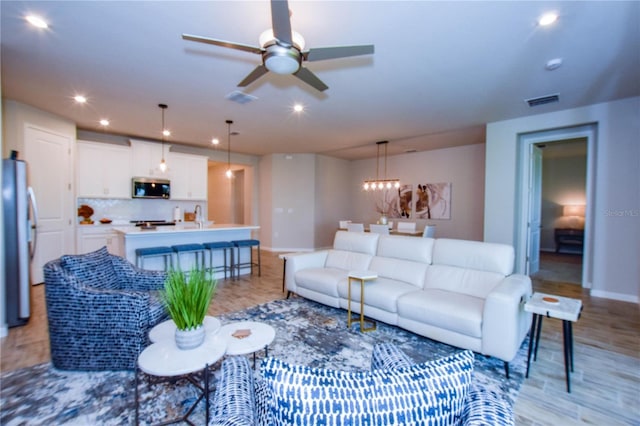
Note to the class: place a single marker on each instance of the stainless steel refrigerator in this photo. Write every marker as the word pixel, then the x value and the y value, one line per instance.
pixel 19 239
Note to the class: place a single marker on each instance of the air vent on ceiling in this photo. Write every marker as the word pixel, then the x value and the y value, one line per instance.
pixel 240 97
pixel 542 100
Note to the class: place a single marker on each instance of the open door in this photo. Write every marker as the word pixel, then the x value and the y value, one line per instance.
pixel 534 222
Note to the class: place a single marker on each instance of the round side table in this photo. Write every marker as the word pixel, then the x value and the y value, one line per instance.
pixel 164 359
pixel 260 337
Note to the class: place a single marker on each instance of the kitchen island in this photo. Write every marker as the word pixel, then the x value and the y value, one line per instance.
pixel 133 238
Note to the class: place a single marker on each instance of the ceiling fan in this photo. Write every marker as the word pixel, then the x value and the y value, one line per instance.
pixel 282 50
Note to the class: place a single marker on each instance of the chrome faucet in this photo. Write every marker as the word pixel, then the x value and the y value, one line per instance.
pixel 198 213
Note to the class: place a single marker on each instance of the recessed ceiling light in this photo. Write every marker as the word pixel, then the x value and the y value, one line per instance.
pixel 215 141
pixel 80 99
pixel 298 107
pixel 547 19
pixel 166 132
pixel 37 21
pixel 104 122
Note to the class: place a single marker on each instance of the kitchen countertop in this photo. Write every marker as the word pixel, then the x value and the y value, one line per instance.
pixel 129 231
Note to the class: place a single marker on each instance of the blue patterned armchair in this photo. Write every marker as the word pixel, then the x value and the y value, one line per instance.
pixel 100 309
pixel 394 391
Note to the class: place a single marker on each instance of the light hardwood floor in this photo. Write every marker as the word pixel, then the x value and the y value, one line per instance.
pixel 605 384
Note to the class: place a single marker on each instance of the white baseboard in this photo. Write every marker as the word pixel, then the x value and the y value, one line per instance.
pixel 615 296
pixel 4 331
pixel 285 250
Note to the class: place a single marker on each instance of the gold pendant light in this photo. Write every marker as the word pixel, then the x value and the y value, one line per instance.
pixel 381 183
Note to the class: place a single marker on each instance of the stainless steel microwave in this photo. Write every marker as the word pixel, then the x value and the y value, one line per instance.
pixel 150 188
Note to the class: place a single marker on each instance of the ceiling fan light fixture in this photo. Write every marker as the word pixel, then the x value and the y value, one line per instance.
pixel 282 60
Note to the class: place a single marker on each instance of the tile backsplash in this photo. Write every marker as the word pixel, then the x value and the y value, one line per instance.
pixel 122 211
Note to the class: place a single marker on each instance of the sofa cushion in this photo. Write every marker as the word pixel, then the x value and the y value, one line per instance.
pixel 477 255
pixel 407 248
pixel 466 281
pixel 347 260
pixel 93 269
pixel 400 270
pixel 322 280
pixel 382 293
pixel 429 393
pixel 356 242
pixel 445 309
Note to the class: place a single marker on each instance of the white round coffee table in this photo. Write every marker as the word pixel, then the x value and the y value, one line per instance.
pixel 164 359
pixel 166 330
pixel 260 336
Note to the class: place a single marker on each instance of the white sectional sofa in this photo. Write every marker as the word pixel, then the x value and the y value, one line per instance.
pixel 462 293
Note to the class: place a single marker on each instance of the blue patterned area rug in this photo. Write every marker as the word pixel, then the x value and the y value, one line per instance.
pixel 306 333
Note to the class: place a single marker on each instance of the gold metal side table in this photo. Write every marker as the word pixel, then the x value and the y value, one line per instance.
pixel 362 277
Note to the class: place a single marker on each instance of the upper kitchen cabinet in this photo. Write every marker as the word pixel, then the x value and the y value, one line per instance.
pixel 146 158
pixel 188 175
pixel 103 170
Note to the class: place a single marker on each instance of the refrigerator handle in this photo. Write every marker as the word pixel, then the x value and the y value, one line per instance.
pixel 34 222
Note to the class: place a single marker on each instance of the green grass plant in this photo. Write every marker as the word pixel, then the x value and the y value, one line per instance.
pixel 187 297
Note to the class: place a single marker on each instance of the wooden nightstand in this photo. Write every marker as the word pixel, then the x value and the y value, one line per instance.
pixel 569 237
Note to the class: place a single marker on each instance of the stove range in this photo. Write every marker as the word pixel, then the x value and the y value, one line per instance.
pixel 152 223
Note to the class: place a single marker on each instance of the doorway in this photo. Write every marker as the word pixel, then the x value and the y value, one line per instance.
pixel 229 200
pixel 49 167
pixel 556 205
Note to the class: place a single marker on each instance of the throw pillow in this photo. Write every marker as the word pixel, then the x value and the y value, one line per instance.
pixel 93 269
pixel 431 393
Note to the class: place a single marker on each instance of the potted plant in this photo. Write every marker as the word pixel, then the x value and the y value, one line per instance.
pixel 187 298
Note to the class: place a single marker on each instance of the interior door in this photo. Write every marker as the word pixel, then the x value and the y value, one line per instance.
pixel 50 175
pixel 535 210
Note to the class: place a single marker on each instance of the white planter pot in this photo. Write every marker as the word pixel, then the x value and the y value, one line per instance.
pixel 190 339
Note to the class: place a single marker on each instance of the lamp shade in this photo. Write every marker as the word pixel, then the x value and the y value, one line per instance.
pixel 573 210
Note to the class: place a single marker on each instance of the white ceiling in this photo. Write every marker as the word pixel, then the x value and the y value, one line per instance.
pixel 440 71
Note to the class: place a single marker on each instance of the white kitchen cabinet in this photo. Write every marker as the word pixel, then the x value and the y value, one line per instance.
pixel 188 175
pixel 146 157
pixel 93 237
pixel 103 170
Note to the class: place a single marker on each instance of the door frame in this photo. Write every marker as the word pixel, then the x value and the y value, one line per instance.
pixel 587 131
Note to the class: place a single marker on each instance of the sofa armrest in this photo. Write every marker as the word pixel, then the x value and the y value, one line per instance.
pixel 133 278
pixel 299 261
pixel 234 403
pixel 484 407
pixel 387 356
pixel 504 321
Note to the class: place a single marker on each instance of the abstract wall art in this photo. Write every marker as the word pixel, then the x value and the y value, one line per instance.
pixel 433 201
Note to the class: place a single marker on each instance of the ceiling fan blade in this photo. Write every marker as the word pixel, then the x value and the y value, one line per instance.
pixel 310 78
pixel 280 21
pixel 258 72
pixel 322 53
pixel 216 42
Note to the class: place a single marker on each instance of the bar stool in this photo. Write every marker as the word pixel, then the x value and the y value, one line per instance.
pixel 196 249
pixel 224 246
pixel 239 244
pixel 165 252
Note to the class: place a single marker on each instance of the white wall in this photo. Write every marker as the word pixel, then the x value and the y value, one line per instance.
pixel 463 166
pixel 333 198
pixel 3 320
pixel 292 200
pixel 616 207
